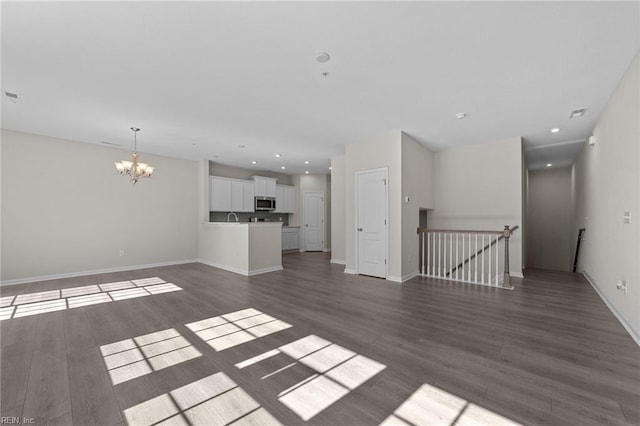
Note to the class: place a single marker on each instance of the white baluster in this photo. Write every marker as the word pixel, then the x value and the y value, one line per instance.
pixel 451 256
pixel 482 260
pixel 497 258
pixel 457 263
pixel 439 254
pixel 428 252
pixel 475 251
pixel 469 263
pixel 462 257
pixel 490 261
pixel 423 235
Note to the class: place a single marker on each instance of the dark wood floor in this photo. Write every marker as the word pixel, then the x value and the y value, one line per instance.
pixel 549 352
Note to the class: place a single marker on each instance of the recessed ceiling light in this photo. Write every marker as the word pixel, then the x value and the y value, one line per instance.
pixel 555 130
pixel 461 115
pixel 254 162
pixel 323 57
pixel 278 156
pixel 549 164
pixel 306 162
pixel 579 112
pixel 283 167
pixel 306 172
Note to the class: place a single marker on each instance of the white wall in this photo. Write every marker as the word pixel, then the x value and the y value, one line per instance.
pixel 548 234
pixel 479 187
pixel 65 210
pixel 338 210
pixel 382 151
pixel 606 184
pixel 418 185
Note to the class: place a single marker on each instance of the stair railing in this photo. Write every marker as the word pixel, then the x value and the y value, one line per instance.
pixel 466 255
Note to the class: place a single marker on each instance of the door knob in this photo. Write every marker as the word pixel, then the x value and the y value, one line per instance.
pixel 306 224
pixel 359 229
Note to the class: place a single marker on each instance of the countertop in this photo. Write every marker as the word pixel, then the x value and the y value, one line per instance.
pixel 245 223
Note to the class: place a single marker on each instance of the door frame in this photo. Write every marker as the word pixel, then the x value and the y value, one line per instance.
pixel 386 214
pixel 303 247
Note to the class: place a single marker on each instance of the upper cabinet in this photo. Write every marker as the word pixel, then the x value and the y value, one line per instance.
pixel 285 199
pixel 231 195
pixel 265 186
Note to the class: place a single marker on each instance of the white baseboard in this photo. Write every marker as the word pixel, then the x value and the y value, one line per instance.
pixel 326 250
pixel 245 272
pixel 94 272
pixel 624 323
pixel 338 262
pixel 403 279
pixel 516 274
pixel 350 271
pixel 265 270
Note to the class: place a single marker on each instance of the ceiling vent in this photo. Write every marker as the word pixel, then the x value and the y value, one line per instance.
pixel 12 96
pixel 577 112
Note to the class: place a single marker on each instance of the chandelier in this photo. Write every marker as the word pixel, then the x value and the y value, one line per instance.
pixel 134 168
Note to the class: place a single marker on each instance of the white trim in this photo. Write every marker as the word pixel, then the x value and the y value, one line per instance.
pixel 244 272
pixel 265 270
pixel 624 323
pixel 350 271
pixel 403 279
pixel 326 250
pixel 386 214
pixel 338 262
pixel 516 274
pixel 94 272
pixel 410 276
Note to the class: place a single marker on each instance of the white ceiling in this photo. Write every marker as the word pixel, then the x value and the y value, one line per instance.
pixel 202 78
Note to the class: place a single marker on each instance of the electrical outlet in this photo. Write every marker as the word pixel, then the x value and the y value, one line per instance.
pixel 626 217
pixel 622 286
pixel 121 252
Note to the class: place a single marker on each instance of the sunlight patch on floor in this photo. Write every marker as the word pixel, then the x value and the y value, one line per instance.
pixel 132 358
pixel 430 405
pixel 58 300
pixel 229 330
pixel 214 400
pixel 338 372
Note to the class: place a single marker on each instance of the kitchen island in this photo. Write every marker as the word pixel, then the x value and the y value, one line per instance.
pixel 244 248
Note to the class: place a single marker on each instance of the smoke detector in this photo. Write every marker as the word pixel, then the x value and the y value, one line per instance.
pixel 323 57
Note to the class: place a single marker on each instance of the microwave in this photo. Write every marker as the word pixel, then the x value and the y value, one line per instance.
pixel 265 203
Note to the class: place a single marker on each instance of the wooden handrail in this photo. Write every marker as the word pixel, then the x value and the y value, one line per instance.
pixel 473 256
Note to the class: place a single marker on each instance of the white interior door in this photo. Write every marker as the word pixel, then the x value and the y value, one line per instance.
pixel 313 205
pixel 371 223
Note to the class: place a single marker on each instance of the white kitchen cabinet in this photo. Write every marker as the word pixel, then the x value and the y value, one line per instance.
pixel 231 195
pixel 220 194
pixel 264 186
pixel 285 199
pixel 237 196
pixel 290 238
pixel 248 191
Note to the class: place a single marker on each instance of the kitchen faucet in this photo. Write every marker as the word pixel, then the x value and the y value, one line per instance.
pixel 229 216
